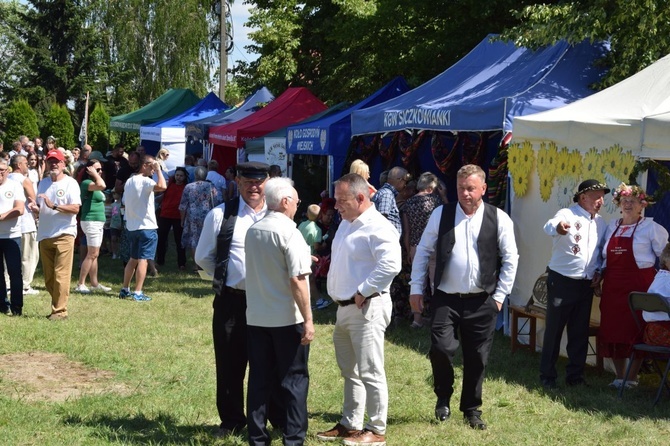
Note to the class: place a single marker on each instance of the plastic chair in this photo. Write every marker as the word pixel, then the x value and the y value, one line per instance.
pixel 638 302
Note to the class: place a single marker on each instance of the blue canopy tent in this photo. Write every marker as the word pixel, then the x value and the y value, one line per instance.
pixel 199 128
pixel 488 87
pixel 171 133
pixel 470 107
pixel 331 134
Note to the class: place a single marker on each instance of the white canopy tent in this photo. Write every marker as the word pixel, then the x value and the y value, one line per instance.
pixel 629 118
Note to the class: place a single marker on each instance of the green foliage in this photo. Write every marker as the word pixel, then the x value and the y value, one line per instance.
pixel 20 120
pixel 98 128
pixel 59 124
pixel 638 30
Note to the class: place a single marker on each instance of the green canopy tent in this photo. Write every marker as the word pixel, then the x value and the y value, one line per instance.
pixel 169 104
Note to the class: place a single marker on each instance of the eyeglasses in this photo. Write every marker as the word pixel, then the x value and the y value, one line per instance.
pixel 98 170
pixel 298 203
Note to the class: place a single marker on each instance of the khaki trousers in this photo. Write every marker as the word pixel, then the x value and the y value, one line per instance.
pixel 57 254
pixel 30 255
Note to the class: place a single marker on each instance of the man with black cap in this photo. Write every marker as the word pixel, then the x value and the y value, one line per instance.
pixel 573 277
pixel 220 253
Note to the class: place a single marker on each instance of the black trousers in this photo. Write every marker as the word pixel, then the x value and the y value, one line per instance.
pixel 471 320
pixel 164 225
pixel 276 356
pixel 568 304
pixel 229 327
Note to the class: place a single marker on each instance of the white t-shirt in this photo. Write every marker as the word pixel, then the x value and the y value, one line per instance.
pixel 10 191
pixel 27 219
pixel 54 223
pixel 138 198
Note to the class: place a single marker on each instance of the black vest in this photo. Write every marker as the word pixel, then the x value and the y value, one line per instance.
pixel 487 246
pixel 223 241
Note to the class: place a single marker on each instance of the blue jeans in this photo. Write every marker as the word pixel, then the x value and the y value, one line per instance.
pixel 10 248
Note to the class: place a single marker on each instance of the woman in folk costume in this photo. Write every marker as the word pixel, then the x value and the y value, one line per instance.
pixel 632 245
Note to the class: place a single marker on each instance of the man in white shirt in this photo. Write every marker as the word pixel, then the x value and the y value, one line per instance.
pixel 279 317
pixel 573 274
pixel 12 206
pixel 58 203
pixel 475 269
pixel 365 258
pixel 214 177
pixel 140 214
pixel 220 253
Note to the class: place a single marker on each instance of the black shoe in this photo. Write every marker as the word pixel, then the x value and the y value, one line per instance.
pixel 576 382
pixel 442 411
pixel 475 422
pixel 548 383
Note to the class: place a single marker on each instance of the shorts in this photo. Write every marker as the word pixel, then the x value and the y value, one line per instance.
pixel 93 232
pixel 143 244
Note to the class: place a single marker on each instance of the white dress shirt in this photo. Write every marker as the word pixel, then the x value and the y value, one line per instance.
pixel 205 252
pixel 578 254
pixel 365 256
pixel 461 273
pixel 660 285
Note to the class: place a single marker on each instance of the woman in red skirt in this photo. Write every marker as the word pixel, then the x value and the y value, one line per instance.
pixel 632 244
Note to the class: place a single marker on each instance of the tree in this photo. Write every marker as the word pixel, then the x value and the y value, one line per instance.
pixel 637 30
pixel 98 128
pixel 59 124
pixel 20 120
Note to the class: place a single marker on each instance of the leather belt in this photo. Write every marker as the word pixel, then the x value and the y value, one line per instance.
pixel 346 302
pixel 235 292
pixel 467 295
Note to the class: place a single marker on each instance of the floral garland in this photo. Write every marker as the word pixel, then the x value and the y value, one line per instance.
pixel 622 190
pixel 520 159
pixel 662 177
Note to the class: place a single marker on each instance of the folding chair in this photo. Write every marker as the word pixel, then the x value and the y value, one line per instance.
pixel 638 302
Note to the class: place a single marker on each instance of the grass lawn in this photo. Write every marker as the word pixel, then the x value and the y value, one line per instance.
pixel 162 388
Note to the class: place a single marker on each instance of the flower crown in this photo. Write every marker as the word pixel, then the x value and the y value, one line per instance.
pixel 622 190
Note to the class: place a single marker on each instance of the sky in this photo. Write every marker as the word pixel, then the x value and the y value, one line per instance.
pixel 239 12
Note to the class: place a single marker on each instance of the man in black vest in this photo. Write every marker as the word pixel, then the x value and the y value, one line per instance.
pixel 476 265
pixel 220 253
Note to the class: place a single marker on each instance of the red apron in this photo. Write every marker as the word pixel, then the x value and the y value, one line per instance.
pixel 622 276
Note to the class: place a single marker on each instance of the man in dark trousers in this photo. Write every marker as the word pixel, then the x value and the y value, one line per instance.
pixel 476 265
pixel 220 253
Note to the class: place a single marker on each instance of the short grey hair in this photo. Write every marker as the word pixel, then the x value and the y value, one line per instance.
pixel 471 169
pixel 426 181
pixel 357 184
pixel 200 173
pixel 276 189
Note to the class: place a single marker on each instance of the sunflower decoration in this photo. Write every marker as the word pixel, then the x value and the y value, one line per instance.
pixel 542 156
pixel 546 185
pixel 592 165
pixel 562 162
pixel 575 165
pixel 552 159
pixel 520 162
pixel 566 187
pixel 612 160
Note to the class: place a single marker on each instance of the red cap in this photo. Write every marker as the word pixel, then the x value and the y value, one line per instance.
pixel 56 154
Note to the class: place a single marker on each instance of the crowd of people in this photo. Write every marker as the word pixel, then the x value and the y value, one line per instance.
pixel 398 252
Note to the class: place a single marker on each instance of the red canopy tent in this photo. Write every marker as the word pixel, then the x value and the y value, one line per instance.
pixel 294 105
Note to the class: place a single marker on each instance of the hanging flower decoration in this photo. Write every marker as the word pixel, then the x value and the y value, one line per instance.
pixel 626 165
pixel 562 162
pixel 552 159
pixel 546 170
pixel 612 161
pixel 575 165
pixel 592 166
pixel 520 161
pixel 662 177
pixel 566 185
pixel 542 158
pixel 635 191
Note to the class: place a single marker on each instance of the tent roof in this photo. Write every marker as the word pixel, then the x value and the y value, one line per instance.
pixel 332 133
pixel 199 128
pixel 293 105
pixel 257 145
pixel 635 114
pixel 485 89
pixel 170 103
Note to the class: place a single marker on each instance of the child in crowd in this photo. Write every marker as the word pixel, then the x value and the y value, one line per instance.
pixel 115 224
pixel 311 232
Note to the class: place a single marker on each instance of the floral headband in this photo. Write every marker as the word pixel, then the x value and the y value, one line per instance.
pixel 622 190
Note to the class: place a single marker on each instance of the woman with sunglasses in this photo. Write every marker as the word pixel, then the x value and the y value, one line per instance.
pixel 92 223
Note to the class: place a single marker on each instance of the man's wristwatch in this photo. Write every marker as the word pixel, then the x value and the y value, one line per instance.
pixel 54 207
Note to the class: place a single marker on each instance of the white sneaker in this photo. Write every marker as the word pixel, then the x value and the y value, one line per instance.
pixel 83 289
pixel 632 384
pixel 616 384
pixel 101 287
pixel 30 291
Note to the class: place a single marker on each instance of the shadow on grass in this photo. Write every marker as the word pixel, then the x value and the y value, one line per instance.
pixel 141 430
